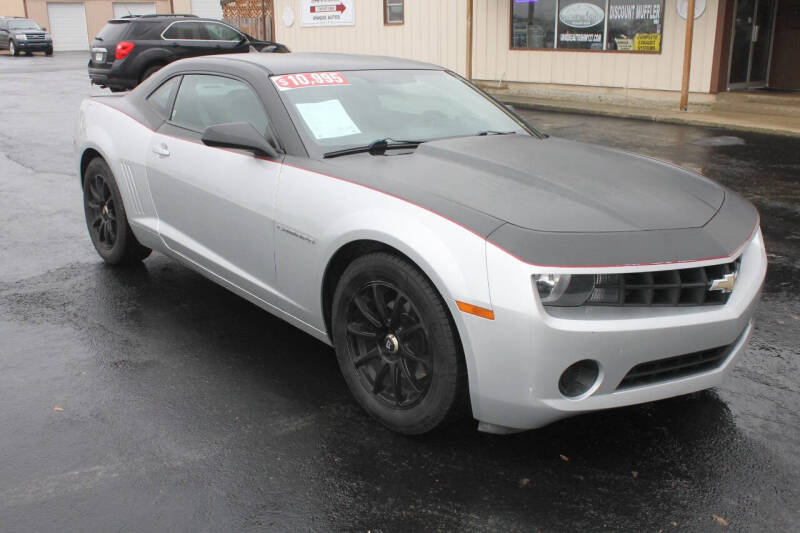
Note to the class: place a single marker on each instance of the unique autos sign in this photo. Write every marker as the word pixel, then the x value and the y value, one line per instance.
pixel 327 12
pixel 581 15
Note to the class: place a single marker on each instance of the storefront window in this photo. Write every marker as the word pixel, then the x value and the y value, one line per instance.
pixel 617 25
pixel 580 24
pixel 634 25
pixel 533 23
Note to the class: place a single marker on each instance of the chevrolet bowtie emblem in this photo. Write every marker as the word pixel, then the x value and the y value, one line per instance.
pixel 724 284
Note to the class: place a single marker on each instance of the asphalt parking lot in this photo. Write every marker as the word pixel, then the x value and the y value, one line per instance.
pixel 150 399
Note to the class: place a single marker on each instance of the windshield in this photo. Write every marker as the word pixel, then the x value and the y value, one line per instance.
pixel 339 110
pixel 23 25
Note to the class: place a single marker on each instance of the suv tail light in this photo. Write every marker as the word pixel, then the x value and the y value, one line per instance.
pixel 123 49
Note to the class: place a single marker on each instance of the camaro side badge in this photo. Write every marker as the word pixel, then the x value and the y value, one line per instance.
pixel 295 233
pixel 724 284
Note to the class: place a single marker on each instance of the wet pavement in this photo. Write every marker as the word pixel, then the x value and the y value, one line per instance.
pixel 150 399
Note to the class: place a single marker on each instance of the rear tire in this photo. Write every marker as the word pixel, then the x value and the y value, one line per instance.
pixel 396 345
pixel 106 219
pixel 12 47
pixel 150 71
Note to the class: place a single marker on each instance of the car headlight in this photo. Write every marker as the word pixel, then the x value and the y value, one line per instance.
pixel 564 289
pixel 20 36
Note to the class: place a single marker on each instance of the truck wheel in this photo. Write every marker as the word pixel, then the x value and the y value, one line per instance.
pixel 12 47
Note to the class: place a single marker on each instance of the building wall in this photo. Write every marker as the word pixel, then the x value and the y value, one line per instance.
pixel 98 12
pixel 494 60
pixel 434 31
pixel 12 8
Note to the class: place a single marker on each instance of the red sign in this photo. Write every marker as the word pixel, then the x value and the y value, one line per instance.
pixel 327 9
pixel 286 82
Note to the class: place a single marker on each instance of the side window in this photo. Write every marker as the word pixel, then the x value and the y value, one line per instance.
pixel 185 31
pixel 221 32
pixel 162 97
pixel 205 100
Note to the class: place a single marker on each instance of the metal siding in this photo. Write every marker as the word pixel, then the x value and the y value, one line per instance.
pixel 434 31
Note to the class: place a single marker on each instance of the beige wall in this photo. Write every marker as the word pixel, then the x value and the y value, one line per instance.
pixel 12 8
pixel 97 12
pixel 493 60
pixel 434 31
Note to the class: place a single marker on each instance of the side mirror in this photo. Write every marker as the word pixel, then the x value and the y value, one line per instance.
pixel 44 29
pixel 239 135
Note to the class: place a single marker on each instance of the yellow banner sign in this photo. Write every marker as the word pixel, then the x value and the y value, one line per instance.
pixel 647 42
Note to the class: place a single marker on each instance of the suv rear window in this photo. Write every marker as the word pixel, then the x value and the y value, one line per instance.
pixel 112 32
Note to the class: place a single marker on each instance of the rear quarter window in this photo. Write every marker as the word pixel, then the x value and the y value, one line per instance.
pixel 113 32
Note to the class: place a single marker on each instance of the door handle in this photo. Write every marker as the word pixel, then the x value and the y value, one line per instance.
pixel 161 150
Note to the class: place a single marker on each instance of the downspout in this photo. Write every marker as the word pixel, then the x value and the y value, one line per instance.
pixel 687 55
pixel 172 6
pixel 264 18
pixel 469 39
pixel 25 7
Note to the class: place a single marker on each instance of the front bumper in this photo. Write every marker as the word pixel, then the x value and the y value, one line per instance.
pixel 34 46
pixel 516 360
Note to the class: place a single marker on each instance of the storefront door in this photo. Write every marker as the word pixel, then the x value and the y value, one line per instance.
pixel 751 43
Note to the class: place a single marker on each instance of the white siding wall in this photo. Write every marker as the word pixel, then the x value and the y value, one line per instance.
pixel 434 31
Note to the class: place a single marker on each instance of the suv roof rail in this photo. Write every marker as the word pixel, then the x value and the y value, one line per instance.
pixel 168 15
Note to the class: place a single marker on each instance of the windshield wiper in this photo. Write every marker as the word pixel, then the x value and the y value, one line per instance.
pixel 494 132
pixel 377 147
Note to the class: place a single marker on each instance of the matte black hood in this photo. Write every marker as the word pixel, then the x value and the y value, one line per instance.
pixel 551 184
pixel 558 202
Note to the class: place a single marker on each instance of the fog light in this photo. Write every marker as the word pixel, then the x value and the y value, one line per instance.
pixel 578 378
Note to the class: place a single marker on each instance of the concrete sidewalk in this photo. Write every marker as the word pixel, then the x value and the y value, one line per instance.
pixel 720 116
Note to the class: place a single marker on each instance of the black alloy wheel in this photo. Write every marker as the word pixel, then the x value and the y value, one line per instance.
pixel 103 217
pixel 106 219
pixel 388 344
pixel 397 347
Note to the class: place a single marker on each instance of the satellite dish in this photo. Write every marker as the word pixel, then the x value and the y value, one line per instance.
pixel 682 6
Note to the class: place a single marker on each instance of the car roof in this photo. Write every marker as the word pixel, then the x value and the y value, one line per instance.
pixel 296 62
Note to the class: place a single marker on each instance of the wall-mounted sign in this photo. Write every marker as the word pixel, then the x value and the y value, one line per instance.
pixel 581 15
pixel 327 12
pixel 682 6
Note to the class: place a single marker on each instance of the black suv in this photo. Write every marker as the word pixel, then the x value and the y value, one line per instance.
pixel 24 35
pixel 130 49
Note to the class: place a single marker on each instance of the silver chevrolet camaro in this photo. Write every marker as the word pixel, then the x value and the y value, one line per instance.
pixel 455 258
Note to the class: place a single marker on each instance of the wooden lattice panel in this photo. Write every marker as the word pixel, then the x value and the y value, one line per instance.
pixel 246 8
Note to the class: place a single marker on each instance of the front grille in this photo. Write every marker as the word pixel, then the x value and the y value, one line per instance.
pixel 674 367
pixel 670 288
pixel 34 37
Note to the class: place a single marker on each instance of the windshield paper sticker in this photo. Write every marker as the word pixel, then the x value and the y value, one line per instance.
pixel 327 119
pixel 287 82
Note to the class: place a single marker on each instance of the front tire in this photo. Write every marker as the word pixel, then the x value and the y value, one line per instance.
pixel 106 219
pixel 396 345
pixel 48 52
pixel 12 47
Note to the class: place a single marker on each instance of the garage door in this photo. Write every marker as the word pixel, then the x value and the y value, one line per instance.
pixel 68 26
pixel 133 8
pixel 207 8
